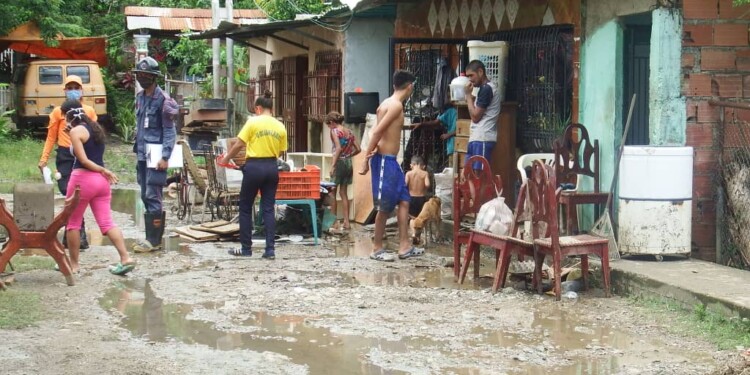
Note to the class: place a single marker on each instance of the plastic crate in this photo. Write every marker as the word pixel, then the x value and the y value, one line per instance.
pixel 299 185
pixel 494 56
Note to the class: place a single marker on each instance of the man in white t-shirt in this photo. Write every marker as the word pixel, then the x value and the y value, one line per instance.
pixel 484 110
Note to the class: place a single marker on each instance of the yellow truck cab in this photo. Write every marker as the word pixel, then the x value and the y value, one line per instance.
pixel 39 88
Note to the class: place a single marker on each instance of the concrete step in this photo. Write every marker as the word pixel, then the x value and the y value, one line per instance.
pixel 688 282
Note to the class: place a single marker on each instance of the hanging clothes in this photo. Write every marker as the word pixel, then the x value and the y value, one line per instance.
pixel 443 78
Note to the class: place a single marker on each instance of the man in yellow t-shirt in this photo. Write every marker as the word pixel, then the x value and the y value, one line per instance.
pixel 56 134
pixel 264 139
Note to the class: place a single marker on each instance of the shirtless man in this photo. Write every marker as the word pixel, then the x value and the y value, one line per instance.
pixel 388 183
pixel 418 181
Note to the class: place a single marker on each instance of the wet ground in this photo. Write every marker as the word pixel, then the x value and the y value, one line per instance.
pixel 324 309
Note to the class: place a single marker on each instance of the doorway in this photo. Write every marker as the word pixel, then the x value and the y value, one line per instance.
pixel 637 44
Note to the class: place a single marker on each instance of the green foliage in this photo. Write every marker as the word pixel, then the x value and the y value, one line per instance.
pixel 52 16
pixel 740 2
pixel 5 121
pixel 726 333
pixel 23 263
pixel 193 54
pixel 19 309
pixel 288 9
pixel 20 159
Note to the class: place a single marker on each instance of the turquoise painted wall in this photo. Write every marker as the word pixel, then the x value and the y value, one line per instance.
pixel 667 110
pixel 601 100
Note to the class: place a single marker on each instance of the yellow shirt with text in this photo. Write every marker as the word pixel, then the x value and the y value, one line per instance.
pixel 264 137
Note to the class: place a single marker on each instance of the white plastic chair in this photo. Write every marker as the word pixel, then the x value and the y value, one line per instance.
pixel 527 160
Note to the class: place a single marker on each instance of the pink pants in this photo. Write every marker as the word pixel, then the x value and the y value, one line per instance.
pixel 95 191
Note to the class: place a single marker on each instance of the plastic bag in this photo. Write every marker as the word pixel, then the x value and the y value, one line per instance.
pixel 444 191
pixel 495 217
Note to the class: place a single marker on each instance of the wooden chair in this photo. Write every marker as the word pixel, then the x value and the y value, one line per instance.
pixel 575 156
pixel 543 196
pixel 504 245
pixel 470 191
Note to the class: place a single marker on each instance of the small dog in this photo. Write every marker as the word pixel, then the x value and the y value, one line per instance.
pixel 429 218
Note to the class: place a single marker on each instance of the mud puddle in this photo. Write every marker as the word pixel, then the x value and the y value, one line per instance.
pixel 559 341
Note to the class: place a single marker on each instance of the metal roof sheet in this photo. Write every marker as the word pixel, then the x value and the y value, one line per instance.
pixel 177 19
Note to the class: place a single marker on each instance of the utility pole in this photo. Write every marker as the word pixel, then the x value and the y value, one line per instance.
pixel 230 53
pixel 216 42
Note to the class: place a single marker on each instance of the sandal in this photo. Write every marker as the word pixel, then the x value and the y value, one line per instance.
pixel 382 256
pixel 413 252
pixel 240 252
pixel 120 269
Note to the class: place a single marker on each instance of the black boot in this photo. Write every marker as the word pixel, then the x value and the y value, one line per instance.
pixel 154 230
pixel 84 238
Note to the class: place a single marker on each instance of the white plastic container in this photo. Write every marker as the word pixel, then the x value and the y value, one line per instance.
pixel 655 204
pixel 458 84
pixel 47 174
pixel 494 56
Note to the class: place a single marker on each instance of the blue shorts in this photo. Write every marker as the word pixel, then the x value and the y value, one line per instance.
pixel 388 184
pixel 482 149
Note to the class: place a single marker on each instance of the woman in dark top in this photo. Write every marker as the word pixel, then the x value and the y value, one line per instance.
pixel 89 175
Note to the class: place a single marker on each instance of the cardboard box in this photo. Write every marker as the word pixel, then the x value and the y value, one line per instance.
pixel 462 144
pixel 463 127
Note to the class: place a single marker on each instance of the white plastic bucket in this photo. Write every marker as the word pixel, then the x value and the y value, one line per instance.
pixel 458 85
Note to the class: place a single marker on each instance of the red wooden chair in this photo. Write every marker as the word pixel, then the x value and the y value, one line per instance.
pixel 471 189
pixel 504 245
pixel 542 194
pixel 575 155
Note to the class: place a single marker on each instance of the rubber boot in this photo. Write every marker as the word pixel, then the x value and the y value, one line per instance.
pixel 84 238
pixel 154 228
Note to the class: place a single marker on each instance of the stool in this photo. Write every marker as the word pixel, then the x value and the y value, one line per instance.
pixel 311 204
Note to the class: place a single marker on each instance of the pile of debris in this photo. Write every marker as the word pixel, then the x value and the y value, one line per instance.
pixel 221 230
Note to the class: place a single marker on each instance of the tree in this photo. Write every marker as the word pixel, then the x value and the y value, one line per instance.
pixel 740 2
pixel 54 17
pixel 288 9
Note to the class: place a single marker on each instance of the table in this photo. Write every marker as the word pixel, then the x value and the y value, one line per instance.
pixel 310 203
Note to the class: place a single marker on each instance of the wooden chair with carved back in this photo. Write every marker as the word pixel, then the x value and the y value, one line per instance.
pixel 471 189
pixel 504 245
pixel 576 156
pixel 545 231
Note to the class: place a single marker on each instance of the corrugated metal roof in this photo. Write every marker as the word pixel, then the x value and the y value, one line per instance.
pixel 176 19
pixel 188 13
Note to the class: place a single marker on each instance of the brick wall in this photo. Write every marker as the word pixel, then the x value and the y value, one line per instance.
pixel 715 65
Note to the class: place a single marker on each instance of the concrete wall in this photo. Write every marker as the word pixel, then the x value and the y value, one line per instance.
pixel 366 56
pixel 667 105
pixel 601 94
pixel 715 65
pixel 600 12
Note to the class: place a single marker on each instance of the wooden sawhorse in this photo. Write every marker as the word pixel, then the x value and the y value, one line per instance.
pixel 46 240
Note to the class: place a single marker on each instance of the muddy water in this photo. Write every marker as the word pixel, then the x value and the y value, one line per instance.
pixel 587 346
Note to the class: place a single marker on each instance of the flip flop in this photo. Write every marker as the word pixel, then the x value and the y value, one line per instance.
pixel 382 256
pixel 413 252
pixel 120 269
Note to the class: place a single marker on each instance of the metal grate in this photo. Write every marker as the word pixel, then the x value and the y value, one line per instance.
pixel 733 176
pixel 420 57
pixel 540 80
pixel 324 86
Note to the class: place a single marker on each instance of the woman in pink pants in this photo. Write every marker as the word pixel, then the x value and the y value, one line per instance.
pixel 93 180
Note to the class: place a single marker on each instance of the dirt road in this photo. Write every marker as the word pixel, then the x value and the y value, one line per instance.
pixel 193 309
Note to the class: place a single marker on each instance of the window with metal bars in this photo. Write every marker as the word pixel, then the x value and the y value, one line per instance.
pixel 324 86
pixel 421 57
pixel 540 80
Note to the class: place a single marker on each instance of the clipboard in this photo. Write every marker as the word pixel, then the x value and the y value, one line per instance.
pixel 153 155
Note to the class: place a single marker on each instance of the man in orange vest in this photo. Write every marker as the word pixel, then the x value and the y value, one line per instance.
pixel 56 134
